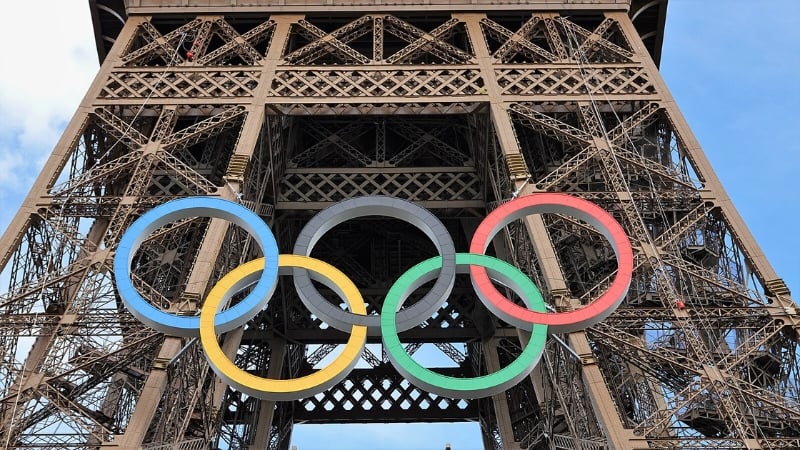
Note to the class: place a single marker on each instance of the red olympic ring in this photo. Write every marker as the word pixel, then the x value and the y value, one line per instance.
pixel 566 321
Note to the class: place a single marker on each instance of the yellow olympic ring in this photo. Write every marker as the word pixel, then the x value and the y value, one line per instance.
pixel 274 389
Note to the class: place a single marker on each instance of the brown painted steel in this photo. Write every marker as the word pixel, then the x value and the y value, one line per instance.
pixel 288 107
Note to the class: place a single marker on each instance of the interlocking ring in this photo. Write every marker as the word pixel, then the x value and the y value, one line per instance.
pixel 568 205
pixel 291 389
pixel 452 387
pixel 214 319
pixel 376 206
pixel 184 208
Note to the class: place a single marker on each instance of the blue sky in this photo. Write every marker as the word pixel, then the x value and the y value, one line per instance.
pixel 731 64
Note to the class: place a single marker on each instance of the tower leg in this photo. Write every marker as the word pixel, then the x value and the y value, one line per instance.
pixel 501 407
pixel 267 408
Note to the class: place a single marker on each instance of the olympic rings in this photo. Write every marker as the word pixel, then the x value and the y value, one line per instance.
pixel 292 389
pixel 559 204
pixel 161 215
pixel 214 319
pixel 376 206
pixel 452 387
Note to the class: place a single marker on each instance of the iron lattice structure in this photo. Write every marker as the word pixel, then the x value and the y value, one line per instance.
pixel 288 107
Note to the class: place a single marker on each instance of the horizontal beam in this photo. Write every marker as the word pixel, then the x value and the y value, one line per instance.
pixel 333 336
pixel 327 102
pixel 366 170
pixel 222 6
pixel 444 204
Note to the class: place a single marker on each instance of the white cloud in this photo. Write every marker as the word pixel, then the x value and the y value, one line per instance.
pixel 50 59
pixel 50 67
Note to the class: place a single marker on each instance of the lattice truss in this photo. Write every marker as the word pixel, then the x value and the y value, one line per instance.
pixel 703 353
pixel 694 352
pixel 90 356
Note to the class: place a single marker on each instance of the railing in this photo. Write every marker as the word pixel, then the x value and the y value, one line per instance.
pixel 191 444
pixel 446 4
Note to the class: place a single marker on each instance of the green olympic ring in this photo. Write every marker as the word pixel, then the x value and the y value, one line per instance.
pixel 481 386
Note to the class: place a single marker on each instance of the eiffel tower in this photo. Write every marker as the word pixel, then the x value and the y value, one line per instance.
pixel 290 106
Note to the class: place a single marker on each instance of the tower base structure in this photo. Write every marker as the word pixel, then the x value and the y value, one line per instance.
pixel 289 107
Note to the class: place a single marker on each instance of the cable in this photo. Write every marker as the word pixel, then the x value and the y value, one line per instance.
pixel 149 95
pixel 160 79
pixel 650 242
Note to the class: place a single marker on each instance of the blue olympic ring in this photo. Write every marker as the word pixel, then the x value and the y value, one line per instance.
pixel 161 215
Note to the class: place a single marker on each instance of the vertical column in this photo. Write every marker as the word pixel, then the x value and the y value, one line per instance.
pixel 618 437
pixel 763 269
pixel 737 409
pixel 508 142
pixel 250 131
pixel 499 401
pixel 12 238
pixel 203 268
pixel 266 411
pixel 153 390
